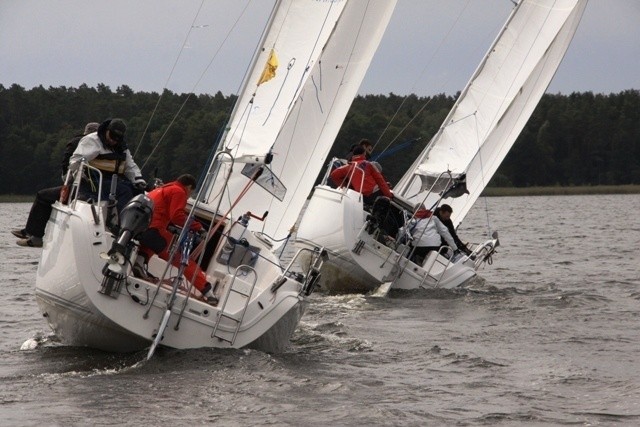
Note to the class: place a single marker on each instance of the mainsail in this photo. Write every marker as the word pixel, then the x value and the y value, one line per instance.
pixel 496 103
pixel 309 68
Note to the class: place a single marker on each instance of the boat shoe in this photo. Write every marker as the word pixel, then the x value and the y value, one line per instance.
pixel 20 233
pixel 211 300
pixel 30 242
pixel 141 272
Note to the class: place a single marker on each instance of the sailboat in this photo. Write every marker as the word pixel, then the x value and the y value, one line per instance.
pixel 455 166
pixel 304 75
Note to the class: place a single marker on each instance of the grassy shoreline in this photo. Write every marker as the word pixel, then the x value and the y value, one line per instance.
pixel 16 198
pixel 560 191
pixel 488 192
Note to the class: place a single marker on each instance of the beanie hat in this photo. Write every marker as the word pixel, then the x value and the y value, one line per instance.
pixel 117 127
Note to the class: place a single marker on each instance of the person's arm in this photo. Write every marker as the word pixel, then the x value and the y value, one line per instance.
pixel 452 231
pixel 442 231
pixel 382 183
pixel 131 169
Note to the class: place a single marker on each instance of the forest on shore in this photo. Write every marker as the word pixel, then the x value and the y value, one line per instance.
pixel 580 139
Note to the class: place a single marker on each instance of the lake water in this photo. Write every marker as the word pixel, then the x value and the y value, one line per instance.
pixel 551 336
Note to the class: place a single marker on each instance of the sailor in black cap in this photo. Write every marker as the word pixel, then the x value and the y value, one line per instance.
pixel 107 151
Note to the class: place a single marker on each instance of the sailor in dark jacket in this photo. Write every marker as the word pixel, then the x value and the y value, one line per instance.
pixel 443 212
pixel 31 235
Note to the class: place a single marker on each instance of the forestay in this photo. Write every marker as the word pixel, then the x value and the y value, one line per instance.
pixel 497 102
pixel 322 50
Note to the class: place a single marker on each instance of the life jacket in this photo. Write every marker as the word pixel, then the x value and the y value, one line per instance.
pixel 111 163
pixel 111 160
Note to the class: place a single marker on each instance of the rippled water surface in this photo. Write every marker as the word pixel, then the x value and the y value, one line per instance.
pixel 551 335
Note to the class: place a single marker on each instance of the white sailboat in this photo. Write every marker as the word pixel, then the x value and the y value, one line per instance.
pixel 308 67
pixel 470 145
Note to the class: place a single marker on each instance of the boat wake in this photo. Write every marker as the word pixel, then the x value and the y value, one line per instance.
pixel 40 339
pixel 329 336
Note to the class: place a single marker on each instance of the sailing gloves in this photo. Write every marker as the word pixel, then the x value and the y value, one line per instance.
pixel 140 183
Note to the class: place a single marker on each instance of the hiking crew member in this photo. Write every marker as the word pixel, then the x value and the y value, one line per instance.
pixel 363 177
pixel 107 151
pixel 443 212
pixel 31 235
pixel 428 232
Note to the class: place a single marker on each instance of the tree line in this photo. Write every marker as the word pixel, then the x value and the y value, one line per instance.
pixel 577 139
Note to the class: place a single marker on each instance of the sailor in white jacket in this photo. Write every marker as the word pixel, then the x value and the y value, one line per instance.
pixel 427 232
pixel 107 151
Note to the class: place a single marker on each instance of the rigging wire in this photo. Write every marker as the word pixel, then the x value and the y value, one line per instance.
pixel 420 76
pixel 482 175
pixel 344 71
pixel 166 83
pixel 486 204
pixel 196 83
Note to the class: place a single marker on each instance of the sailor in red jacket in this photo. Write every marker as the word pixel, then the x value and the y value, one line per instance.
pixel 169 202
pixel 362 176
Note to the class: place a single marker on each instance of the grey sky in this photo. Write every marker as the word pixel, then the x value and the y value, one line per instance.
pixel 430 46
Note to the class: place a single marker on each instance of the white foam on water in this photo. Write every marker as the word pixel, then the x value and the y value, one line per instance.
pixel 30 344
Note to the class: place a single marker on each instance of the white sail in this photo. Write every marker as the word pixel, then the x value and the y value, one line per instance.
pixel 249 297
pixel 297 114
pixel 497 102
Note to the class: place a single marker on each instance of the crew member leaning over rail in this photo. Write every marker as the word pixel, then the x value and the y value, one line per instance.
pixel 362 176
pixel 106 150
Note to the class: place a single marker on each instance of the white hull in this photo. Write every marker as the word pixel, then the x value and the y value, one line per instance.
pixel 69 280
pixel 357 262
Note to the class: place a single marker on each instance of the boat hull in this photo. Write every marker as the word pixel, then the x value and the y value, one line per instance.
pixel 358 262
pixel 69 281
pixel 334 218
pixel 83 326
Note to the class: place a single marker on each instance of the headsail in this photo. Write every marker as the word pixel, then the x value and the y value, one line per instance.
pixel 323 50
pixel 497 102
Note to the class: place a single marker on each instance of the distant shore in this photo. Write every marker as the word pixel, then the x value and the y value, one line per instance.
pixel 488 192
pixel 16 198
pixel 560 191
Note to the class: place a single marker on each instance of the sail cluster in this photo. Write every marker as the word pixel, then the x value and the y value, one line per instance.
pixel 496 103
pixel 306 73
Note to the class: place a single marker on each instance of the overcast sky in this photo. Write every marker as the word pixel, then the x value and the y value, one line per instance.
pixel 429 47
